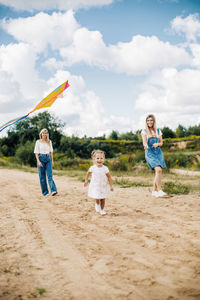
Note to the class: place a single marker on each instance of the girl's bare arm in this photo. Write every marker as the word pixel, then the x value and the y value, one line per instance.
pixel 110 181
pixel 86 178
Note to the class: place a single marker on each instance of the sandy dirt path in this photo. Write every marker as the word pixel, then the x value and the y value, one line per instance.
pixel 144 248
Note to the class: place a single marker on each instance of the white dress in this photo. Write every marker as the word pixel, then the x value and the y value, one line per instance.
pixel 98 186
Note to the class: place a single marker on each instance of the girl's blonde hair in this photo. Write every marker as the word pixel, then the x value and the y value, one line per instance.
pixel 41 132
pixel 149 133
pixel 94 152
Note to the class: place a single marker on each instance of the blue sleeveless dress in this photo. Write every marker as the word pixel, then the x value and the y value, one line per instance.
pixel 154 156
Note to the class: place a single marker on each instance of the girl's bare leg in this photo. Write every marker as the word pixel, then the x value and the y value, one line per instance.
pixel 98 201
pixel 154 183
pixel 102 203
pixel 157 179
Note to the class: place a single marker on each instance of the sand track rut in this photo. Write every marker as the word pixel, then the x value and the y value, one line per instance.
pixel 144 248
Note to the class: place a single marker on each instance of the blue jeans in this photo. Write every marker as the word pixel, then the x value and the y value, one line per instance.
pixel 46 171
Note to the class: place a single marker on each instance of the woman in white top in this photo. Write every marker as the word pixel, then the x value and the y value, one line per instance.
pixel 44 155
pixel 152 141
pixel 99 181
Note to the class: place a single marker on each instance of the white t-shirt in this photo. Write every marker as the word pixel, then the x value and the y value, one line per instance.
pixel 144 132
pixel 43 148
pixel 99 182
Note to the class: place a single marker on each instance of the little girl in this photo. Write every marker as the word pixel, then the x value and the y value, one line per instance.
pixel 99 181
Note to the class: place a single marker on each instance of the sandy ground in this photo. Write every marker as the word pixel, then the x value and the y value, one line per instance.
pixel 185 172
pixel 144 248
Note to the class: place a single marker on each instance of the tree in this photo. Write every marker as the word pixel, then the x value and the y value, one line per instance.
pixel 114 135
pixel 180 131
pixel 11 141
pixel 193 130
pixel 167 133
pixel 129 136
pixel 28 130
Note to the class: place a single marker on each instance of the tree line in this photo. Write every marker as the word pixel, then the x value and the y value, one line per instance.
pixel 179 132
pixel 20 139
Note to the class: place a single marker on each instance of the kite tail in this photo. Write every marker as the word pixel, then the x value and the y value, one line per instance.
pixel 12 122
pixel 46 102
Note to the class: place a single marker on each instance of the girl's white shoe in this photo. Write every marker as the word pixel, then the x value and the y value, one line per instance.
pixel 102 212
pixel 97 207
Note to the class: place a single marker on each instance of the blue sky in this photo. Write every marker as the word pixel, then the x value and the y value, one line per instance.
pixel 123 59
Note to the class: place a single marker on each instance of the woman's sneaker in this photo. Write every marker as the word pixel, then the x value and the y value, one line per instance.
pixel 102 212
pixel 97 207
pixel 161 193
pixel 54 193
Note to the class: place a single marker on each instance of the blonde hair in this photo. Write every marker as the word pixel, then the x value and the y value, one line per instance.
pixel 94 152
pixel 41 132
pixel 149 133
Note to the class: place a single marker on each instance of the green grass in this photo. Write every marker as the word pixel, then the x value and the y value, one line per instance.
pixel 139 176
pixel 126 183
pixel 6 164
pixel 41 291
pixel 6 271
pixel 172 187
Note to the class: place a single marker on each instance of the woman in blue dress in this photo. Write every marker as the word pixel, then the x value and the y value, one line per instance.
pixel 152 141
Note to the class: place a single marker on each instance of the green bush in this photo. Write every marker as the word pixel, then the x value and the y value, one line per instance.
pixel 84 166
pixel 118 165
pixel 171 187
pixel 63 162
pixel 198 165
pixel 178 159
pixel 3 163
pixel 195 144
pixel 25 155
pixel 66 163
pixel 140 156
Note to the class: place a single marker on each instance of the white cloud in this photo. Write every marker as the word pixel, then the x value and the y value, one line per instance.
pixel 167 92
pixel 21 89
pixel 87 46
pixel 9 92
pixel 29 5
pixel 173 96
pixel 18 74
pixel 77 44
pixel 143 54
pixel 195 49
pixel 82 109
pixel 43 29
pixel 139 56
pixel 189 26
pixel 171 119
pixel 18 84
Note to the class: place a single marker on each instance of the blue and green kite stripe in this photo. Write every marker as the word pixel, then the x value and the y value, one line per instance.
pixel 12 122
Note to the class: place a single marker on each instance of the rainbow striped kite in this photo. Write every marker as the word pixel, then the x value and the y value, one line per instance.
pixel 46 102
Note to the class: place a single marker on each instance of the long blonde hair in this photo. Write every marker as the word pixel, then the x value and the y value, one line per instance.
pixel 149 133
pixel 40 135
